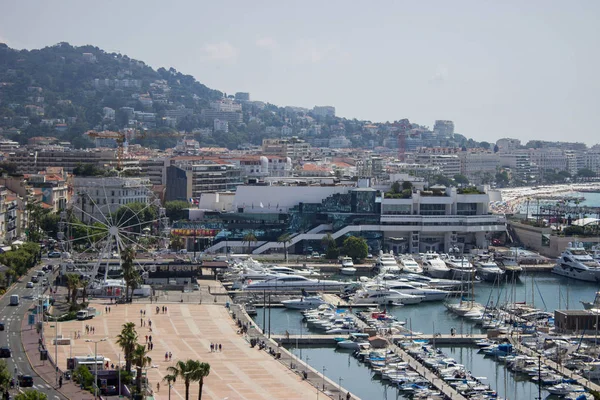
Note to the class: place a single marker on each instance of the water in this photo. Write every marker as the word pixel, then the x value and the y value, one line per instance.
pixel 356 377
pixel 550 292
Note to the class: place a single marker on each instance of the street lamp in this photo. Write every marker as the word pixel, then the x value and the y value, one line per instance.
pixel 340 386
pixel 96 363
pixel 324 369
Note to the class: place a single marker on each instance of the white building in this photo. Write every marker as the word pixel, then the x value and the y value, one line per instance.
pixel 220 126
pixel 479 166
pixel 324 111
pixel 448 164
pixel 339 142
pixel 226 105
pixel 95 198
pixel 286 130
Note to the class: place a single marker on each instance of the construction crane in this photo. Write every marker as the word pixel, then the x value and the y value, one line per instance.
pixel 118 137
pixel 404 126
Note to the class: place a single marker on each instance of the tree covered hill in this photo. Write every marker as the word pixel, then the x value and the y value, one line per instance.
pixel 63 91
pixel 61 80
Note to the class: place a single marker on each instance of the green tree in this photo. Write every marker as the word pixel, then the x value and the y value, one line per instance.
pixel 249 238
pixel 130 273
pixel 356 247
pixel 73 285
pixel 184 370
pixel 127 340
pixel 461 179
pixel 31 394
pixel 441 180
pixel 177 243
pixel 141 360
pixel 586 173
pixel 5 377
pixel 406 185
pixel 201 371
pixel 396 187
pixel 331 249
pixel 135 216
pixel 285 239
pixel 176 210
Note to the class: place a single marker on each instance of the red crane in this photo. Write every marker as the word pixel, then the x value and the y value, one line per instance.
pixel 404 126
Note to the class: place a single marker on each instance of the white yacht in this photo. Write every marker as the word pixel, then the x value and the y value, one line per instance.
pixel 385 296
pixel 356 341
pixel 304 303
pixel 576 263
pixel 434 266
pixel 295 283
pixel 347 266
pixel 489 271
pixel 408 264
pixel 461 268
pixel 386 264
pixel 427 293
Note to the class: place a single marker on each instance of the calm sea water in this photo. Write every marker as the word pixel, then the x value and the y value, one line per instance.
pixel 546 291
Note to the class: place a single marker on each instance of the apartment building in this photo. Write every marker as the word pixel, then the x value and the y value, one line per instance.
pixel 479 166
pixel 32 160
pixel 189 178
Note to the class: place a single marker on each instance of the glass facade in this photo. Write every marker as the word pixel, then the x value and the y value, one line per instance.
pixel 433 209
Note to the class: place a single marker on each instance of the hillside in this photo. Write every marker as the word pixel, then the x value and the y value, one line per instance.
pixel 63 91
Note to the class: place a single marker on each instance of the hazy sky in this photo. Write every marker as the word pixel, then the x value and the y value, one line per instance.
pixel 523 69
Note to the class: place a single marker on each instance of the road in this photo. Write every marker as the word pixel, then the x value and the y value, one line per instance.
pixel 12 317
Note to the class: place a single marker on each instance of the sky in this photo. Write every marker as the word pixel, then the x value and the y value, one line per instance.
pixel 520 69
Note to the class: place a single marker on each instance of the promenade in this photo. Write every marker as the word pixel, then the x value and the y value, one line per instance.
pixel 186 330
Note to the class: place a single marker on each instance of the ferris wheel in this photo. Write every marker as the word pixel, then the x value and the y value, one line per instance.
pixel 98 224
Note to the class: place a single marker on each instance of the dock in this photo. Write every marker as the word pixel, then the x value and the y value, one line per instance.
pixel 329 340
pixel 553 365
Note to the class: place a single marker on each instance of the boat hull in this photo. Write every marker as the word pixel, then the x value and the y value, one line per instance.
pixel 574 273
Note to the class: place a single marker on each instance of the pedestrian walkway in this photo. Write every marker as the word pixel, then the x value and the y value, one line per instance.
pixel 45 369
pixel 186 331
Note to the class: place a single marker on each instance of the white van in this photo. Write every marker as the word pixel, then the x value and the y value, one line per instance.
pixel 14 300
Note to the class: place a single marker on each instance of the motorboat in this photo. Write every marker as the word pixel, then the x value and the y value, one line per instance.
pixel 347 266
pixel 386 264
pixel 489 271
pixel 408 264
pixel 356 341
pixel 562 389
pixel 588 305
pixel 294 283
pixel 461 268
pixel 511 267
pixel 434 283
pixel 304 303
pixel 434 265
pixel 385 296
pixel 427 293
pixel 576 263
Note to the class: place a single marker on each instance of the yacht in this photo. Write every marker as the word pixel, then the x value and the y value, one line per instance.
pixel 511 267
pixel 356 341
pixel 576 263
pixel 385 296
pixel 295 283
pixel 489 271
pixel 386 264
pixel 304 303
pixel 347 266
pixel 461 268
pixel 427 293
pixel 434 266
pixel 408 264
pixel 588 305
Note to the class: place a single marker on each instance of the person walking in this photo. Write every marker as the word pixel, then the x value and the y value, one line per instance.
pixel 220 347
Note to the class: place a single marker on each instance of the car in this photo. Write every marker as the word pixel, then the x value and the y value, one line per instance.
pixel 109 390
pixel 35 279
pixel 5 352
pixel 54 254
pixel 1 326
pixel 29 285
pixel 25 380
pixel 45 282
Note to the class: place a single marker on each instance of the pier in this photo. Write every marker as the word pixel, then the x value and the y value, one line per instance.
pixel 329 340
pixel 588 384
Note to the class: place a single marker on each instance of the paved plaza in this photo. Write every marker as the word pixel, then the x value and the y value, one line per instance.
pixel 187 330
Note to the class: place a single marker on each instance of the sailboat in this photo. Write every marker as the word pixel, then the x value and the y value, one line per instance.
pixel 588 305
pixel 466 306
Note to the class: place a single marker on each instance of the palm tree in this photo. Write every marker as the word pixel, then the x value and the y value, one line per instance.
pixel 184 370
pixel 127 339
pixel 249 238
pixel 141 360
pixel 170 379
pixel 73 284
pixel 130 274
pixel 201 372
pixel 285 239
